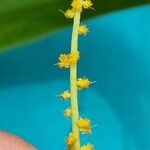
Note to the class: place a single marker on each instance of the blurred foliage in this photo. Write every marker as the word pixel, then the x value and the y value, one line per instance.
pixel 21 20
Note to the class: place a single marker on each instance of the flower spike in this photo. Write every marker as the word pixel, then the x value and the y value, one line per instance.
pixel 70 61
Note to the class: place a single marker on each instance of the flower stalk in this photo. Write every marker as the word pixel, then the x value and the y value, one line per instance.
pixel 73 80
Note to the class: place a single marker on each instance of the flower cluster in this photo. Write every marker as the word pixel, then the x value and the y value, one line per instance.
pixel 87 147
pixel 68 112
pixel 65 95
pixel 67 60
pixel 83 30
pixel 84 125
pixel 70 60
pixel 71 140
pixel 87 4
pixel 69 13
pixel 77 6
pixel 83 83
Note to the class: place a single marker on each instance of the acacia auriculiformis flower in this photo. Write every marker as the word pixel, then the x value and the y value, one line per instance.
pixel 70 61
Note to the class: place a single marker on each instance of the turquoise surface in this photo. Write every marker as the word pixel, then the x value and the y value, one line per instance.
pixel 116 54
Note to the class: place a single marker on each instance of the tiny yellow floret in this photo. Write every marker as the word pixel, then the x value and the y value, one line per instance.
pixel 68 112
pixel 77 5
pixel 70 13
pixel 83 83
pixel 87 4
pixel 63 61
pixel 83 30
pixel 71 140
pixel 65 95
pixel 87 147
pixel 84 125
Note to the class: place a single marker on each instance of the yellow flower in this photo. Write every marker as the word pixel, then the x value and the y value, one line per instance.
pixel 87 147
pixel 70 13
pixel 63 61
pixel 77 5
pixel 83 30
pixel 83 83
pixel 87 4
pixel 71 140
pixel 66 60
pixel 74 57
pixel 84 125
pixel 68 112
pixel 65 95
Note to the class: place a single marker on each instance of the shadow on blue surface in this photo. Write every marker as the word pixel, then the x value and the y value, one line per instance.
pixel 116 54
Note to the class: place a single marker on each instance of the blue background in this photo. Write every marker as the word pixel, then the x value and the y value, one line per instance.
pixel 116 54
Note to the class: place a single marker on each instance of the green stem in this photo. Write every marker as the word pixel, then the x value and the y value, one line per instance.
pixel 73 81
